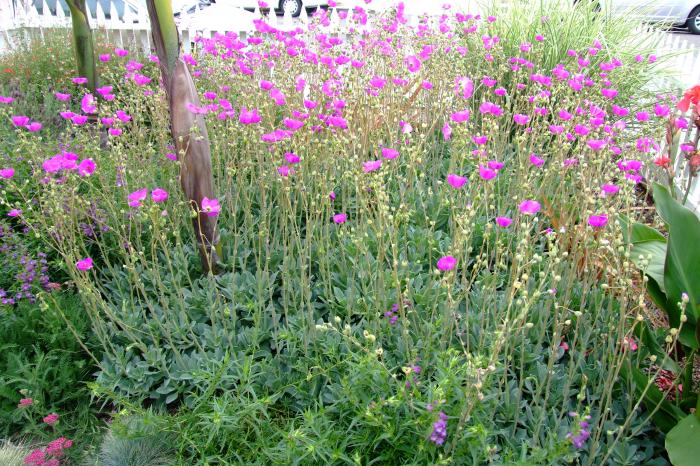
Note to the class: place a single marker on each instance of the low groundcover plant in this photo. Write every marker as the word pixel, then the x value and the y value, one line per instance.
pixel 422 255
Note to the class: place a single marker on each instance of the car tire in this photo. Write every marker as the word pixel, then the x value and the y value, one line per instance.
pixel 694 21
pixel 293 6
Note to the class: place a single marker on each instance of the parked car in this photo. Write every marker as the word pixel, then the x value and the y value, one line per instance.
pixel 678 13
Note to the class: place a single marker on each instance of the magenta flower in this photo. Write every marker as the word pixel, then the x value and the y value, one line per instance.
pixel 104 57
pixel 79 119
pixel 80 80
pixel 6 100
pixel 389 153
pixel 446 132
pixel 14 213
pixel 609 93
pixel 609 189
pixel 159 195
pixel 61 96
pixel 377 82
pixel 82 265
pixel 20 120
pixel 7 173
pixel 521 119
pixel 292 123
pixel 211 206
pixel 114 132
pixel 107 121
pixel 503 222
pixel 529 207
pixel 87 104
pixel 332 196
pixel 123 116
pixel 456 181
pixel 249 117
pixel 371 165
pixel 34 126
pixel 292 158
pixel 480 140
pixel 536 161
pixel 598 221
pixel 412 63
pixel 461 117
pixel 266 85
pixel 121 52
pixel 595 144
pixel 86 167
pixel 340 218
pixel 642 116
pixel 446 263
pixel 464 87
pixel 136 197
pixel 486 173
pixel 66 115
pixel 285 171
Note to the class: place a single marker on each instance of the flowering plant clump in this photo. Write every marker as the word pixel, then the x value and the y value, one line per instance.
pixel 390 189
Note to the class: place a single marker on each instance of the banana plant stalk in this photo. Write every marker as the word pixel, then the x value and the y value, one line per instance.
pixel 82 42
pixel 187 129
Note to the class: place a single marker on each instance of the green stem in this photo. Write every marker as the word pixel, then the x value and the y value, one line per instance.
pixel 82 42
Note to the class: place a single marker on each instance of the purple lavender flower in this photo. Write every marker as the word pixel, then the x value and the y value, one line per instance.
pixel 439 433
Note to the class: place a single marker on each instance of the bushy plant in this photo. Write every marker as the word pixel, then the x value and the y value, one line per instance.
pixel 12 454
pixel 418 221
pixel 135 442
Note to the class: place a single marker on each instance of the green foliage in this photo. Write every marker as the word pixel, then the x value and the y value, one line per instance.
pixel 682 442
pixel 12 454
pixel 134 442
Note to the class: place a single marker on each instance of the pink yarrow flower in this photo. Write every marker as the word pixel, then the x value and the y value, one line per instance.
pixel 24 402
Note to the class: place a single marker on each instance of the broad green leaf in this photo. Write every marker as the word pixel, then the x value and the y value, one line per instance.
pixel 668 414
pixel 687 335
pixel 683 442
pixel 681 273
pixel 654 252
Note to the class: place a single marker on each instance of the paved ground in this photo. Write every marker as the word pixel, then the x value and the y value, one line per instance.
pixel 685 35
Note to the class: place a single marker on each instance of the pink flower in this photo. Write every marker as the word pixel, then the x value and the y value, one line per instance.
pixel 107 121
pixel 121 52
pixel 461 117
pixel 14 213
pixel 521 119
pixel 24 402
pixel 61 97
pixel 114 132
pixel 159 195
pixel 285 170
pixel 79 119
pixel 20 120
pixel 464 87
pixel 480 140
pixel 503 222
pixel 377 82
pixel 630 343
pixel 136 197
pixel 595 144
pixel 6 100
pixel 87 104
pixel 642 116
pixel 249 117
pixel 536 161
pixel 80 80
pixel 211 206
pixel 332 196
pixel 292 158
pixel 123 116
pixel 340 218
pixel 86 167
pixel 456 181
pixel 7 173
pixel 293 124
pixel 412 63
pixel 82 265
pixel 487 173
pixel 609 189
pixel 105 57
pixel 446 263
pixel 446 132
pixel 389 153
pixel 598 221
pixel 34 126
pixel 529 207
pixel 371 165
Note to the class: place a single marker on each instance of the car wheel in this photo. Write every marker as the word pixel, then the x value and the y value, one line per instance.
pixel 293 7
pixel 694 21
